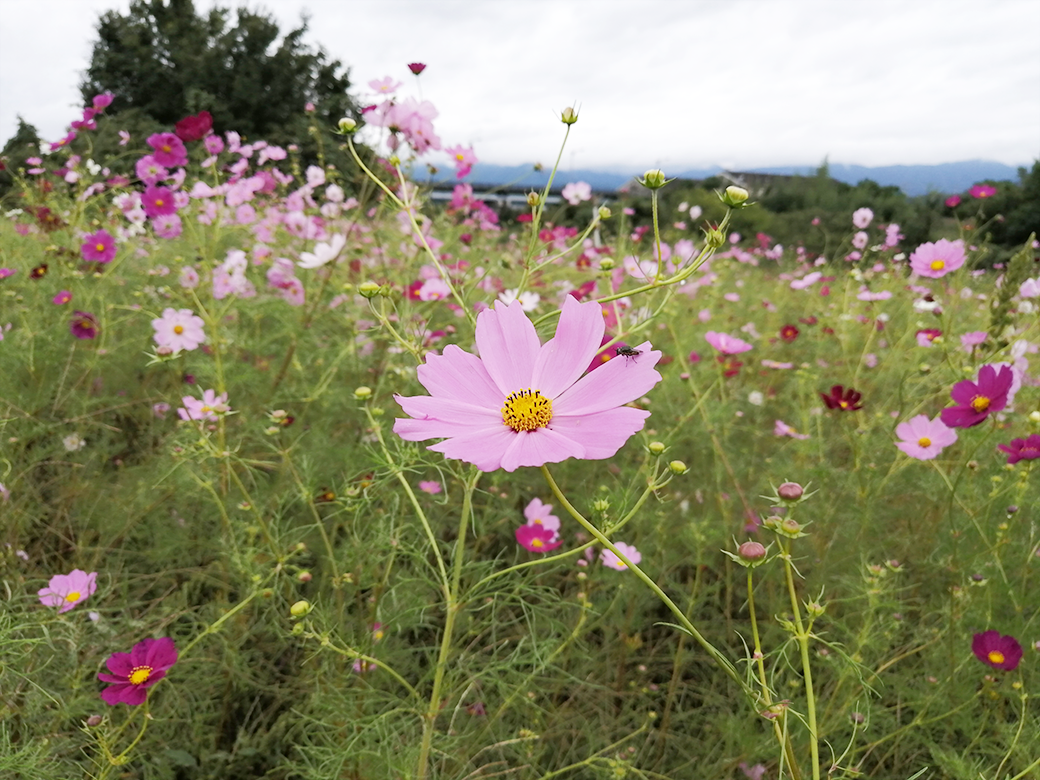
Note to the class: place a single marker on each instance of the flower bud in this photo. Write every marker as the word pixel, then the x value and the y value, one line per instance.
pixel 604 212
pixel 347 125
pixel 790 527
pixel 656 447
pixel 300 608
pixel 304 576
pixel 164 351
pixel 601 505
pixel 606 263
pixel 815 609
pixel 368 289
pixel 735 197
pixel 678 467
pixel 790 491
pixel 94 720
pixel 752 552
pixel 568 116
pixel 362 393
pixel 653 179
pixel 714 237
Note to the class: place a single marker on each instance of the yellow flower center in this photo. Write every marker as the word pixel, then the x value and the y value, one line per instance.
pixel 924 441
pixel 178 329
pixel 378 635
pixel 980 403
pixel 74 596
pixel 843 404
pixel 460 157
pixel 140 674
pixel 158 201
pixel 938 265
pixel 537 543
pixel 99 247
pixel 166 147
pixel 995 657
pixel 527 410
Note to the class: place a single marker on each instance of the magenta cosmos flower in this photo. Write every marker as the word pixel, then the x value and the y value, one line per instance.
pixel 68 590
pixel 726 344
pixel 522 403
pixel 170 151
pixel 938 259
pixel 537 539
pixel 158 201
pixel 977 400
pixel 179 329
pixel 982 191
pixel 135 672
pixel 1000 652
pixel 1022 449
pixel 99 247
pixel 922 438
pixel 84 325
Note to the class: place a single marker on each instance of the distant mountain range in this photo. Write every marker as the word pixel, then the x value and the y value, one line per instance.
pixel 911 179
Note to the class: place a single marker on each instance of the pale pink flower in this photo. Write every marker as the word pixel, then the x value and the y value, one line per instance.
pixel 68 590
pixel 434 290
pixel 780 428
pixel 522 403
pixel 922 438
pixel 726 344
pixel 860 240
pixel 973 339
pixel 464 160
pixel 385 85
pixel 179 329
pixel 538 513
pixel 323 252
pixel 938 259
pixel 610 560
pixel 207 409
pixel 861 217
pixel 1030 288
pixel 806 281
pixel 577 192
pixel 430 486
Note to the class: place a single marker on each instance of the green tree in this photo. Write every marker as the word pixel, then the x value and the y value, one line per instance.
pixel 166 61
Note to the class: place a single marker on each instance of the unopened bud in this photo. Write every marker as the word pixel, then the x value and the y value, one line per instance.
pixel 751 551
pixel 304 576
pixel 164 351
pixel 601 505
pixel 533 199
pixel 714 237
pixel 678 467
pixel 604 212
pixel 790 527
pixel 362 393
pixel 606 263
pixel 347 125
pixel 568 116
pixel 300 608
pixel 815 609
pixel 653 179
pixel 734 196
pixel 94 720
pixel 790 491
pixel 656 447
pixel 368 289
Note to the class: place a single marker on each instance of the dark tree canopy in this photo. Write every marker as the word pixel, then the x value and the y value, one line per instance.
pixel 166 61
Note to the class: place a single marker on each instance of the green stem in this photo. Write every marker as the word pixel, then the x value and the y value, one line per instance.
pixel 802 635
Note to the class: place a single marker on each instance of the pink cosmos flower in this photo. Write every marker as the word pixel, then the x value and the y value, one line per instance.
pixel 860 240
pixel 726 344
pixel 84 325
pixel 135 672
pixel 540 514
pixel 99 247
pixel 385 85
pixel 522 403
pixel 62 298
pixel 102 101
pixel 536 539
pixel 158 201
pixel 431 487
pixel 780 428
pixel 68 590
pixel 214 144
pixel 170 151
pixel 806 281
pixel 973 339
pixel 927 336
pixel 866 295
pixel 207 409
pixel 610 560
pixel 167 226
pixel 464 160
pixel 1030 288
pixel 977 400
pixel 577 192
pixel 1000 652
pixel 953 201
pixel 416 67
pixel 922 438
pixel 938 259
pixel 861 218
pixel 179 329
pixel 1022 449
pixel 982 191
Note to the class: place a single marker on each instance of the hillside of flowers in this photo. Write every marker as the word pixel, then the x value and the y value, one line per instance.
pixel 303 476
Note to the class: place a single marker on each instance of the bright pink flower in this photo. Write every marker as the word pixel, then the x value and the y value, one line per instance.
pixel 431 487
pixel 68 590
pixel 135 672
pixel 726 344
pixel 207 409
pixel 982 191
pixel 537 539
pixel 195 127
pixel 1000 652
pixel 84 325
pixel 861 218
pixel 938 259
pixel 179 329
pixel 158 201
pixel 62 298
pixel 610 560
pixel 922 438
pixel 537 513
pixel 926 336
pixel 170 151
pixel 953 201
pixel 99 247
pixel 526 404
pixel 977 400
pixel 1022 449
pixel 102 101
pixel 464 160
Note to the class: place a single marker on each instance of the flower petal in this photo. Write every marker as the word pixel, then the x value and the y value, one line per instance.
pixel 535 448
pixel 483 448
pixel 458 374
pixel 564 358
pixel 602 434
pixel 424 407
pixel 420 430
pixel 120 664
pixel 617 382
pixel 508 346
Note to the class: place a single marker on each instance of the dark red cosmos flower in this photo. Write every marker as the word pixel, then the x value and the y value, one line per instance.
pixel 1022 449
pixel 845 400
pixel 789 333
pixel 730 365
pixel 416 67
pixel 195 127
pixel 808 320
pixel 976 401
pixel 39 271
pixel 1000 652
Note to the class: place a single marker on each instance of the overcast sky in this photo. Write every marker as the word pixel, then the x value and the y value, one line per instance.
pixel 671 83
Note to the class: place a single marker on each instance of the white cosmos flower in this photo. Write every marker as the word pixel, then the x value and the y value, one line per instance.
pixel 323 253
pixel 528 300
